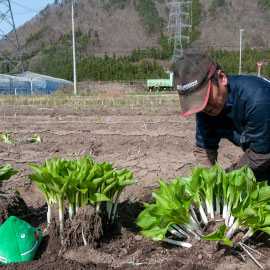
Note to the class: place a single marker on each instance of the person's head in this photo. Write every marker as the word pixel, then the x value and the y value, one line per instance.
pixel 201 84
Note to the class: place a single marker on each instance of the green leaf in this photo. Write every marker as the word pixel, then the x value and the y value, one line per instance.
pixel 108 175
pixel 211 177
pixel 147 217
pixel 111 180
pixel 219 235
pixel 128 183
pixel 98 197
pixel 180 215
pixel 6 172
pixel 265 229
pixel 37 178
pixel 36 168
pixel 7 138
pixel 264 193
pixel 122 172
pixel 156 233
pixel 266 221
pixel 98 181
pixel 164 190
pixel 240 181
pixel 249 217
pixel 195 183
pixel 109 187
pixel 35 138
pixel 129 175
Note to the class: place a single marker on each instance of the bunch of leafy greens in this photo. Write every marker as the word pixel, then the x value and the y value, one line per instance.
pixel 80 182
pixel 171 214
pixel 183 207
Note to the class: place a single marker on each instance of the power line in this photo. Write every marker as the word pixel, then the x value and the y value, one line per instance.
pixel 27 8
pixel 25 12
pixel 236 26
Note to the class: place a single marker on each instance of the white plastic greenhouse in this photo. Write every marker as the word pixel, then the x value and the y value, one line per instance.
pixel 30 83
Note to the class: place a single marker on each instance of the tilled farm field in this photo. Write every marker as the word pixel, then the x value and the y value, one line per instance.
pixel 152 140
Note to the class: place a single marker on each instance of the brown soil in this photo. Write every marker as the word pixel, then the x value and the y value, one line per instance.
pixel 12 205
pixel 86 226
pixel 151 140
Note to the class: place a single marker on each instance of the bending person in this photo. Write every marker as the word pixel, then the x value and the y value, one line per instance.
pixel 235 107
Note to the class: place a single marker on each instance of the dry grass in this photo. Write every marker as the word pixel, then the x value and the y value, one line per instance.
pixel 101 93
pixel 101 89
pixel 113 91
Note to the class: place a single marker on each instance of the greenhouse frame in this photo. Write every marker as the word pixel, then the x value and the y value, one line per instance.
pixel 29 83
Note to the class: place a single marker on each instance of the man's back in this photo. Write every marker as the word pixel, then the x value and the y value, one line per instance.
pixel 245 119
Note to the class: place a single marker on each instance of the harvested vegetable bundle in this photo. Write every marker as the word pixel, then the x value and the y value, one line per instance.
pixel 235 195
pixel 80 182
pixel 171 214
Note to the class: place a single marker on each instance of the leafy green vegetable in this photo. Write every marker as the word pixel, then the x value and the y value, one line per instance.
pixel 219 235
pixel 35 138
pixel 170 213
pixel 59 117
pixel 235 195
pixel 7 138
pixel 80 182
pixel 6 172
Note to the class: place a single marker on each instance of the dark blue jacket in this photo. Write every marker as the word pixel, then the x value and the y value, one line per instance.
pixel 245 119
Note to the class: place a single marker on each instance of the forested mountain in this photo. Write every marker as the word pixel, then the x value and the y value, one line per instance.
pixel 128 39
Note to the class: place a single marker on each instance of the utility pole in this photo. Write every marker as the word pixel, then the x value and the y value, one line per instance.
pixel 176 18
pixel 74 50
pixel 10 51
pixel 240 60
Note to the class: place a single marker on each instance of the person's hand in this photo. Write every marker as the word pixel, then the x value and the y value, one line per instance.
pixel 231 168
pixel 204 157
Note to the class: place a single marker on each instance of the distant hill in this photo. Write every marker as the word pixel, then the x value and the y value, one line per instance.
pixel 117 27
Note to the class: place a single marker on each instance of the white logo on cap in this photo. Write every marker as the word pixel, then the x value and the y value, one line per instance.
pixel 186 86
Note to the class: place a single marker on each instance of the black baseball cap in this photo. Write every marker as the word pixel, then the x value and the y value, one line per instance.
pixel 192 80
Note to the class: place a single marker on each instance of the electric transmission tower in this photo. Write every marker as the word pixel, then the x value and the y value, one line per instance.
pixel 180 17
pixel 10 52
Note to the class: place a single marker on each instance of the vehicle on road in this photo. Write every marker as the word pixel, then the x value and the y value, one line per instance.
pixel 155 85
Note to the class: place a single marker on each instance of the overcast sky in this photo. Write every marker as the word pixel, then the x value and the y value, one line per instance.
pixel 24 10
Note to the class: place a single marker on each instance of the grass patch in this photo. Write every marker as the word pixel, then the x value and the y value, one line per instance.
pixel 54 100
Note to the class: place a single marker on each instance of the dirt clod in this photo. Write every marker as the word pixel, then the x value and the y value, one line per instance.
pixel 85 228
